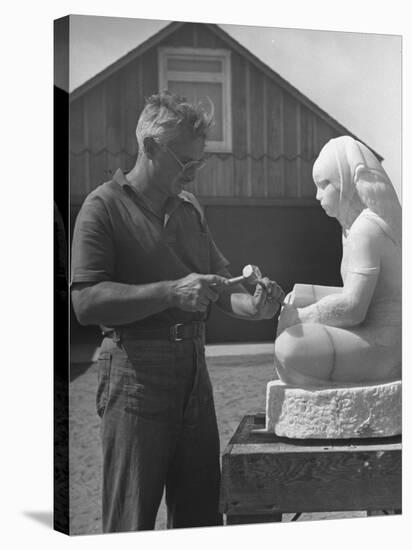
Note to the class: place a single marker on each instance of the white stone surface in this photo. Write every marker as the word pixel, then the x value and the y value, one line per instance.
pixel 334 413
pixel 352 333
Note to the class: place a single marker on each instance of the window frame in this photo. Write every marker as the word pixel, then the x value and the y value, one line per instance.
pixel 165 53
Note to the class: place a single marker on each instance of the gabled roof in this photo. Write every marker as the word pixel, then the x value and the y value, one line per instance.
pixel 232 43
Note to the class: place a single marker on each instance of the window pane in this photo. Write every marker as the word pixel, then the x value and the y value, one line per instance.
pixel 194 65
pixel 198 92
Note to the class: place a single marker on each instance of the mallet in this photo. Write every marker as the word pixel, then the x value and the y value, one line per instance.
pixel 250 274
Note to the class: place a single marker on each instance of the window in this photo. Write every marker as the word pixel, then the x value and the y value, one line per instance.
pixel 201 75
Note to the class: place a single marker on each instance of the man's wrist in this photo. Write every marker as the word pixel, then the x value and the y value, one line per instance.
pixel 170 293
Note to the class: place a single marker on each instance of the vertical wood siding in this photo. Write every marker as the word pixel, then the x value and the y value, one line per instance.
pixel 203 38
pixel 239 125
pixel 257 145
pixel 275 138
pixel 275 143
pixel 290 145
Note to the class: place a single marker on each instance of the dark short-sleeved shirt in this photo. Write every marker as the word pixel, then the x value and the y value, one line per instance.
pixel 118 238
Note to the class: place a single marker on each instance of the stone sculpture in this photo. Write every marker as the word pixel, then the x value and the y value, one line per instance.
pixel 346 339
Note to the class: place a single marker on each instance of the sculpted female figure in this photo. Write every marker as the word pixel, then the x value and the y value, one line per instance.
pixel 330 336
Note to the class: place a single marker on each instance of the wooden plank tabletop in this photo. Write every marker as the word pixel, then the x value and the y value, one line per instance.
pixel 250 437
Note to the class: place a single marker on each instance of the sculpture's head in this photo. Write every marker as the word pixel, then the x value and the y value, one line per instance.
pixel 358 178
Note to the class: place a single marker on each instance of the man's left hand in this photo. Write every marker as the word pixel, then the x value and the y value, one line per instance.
pixel 267 299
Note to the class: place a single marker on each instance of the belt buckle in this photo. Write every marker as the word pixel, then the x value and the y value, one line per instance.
pixel 174 332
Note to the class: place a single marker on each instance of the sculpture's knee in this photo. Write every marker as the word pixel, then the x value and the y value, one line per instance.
pixel 288 346
pixel 304 352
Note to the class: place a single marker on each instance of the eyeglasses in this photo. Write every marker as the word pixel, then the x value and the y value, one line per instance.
pixel 187 167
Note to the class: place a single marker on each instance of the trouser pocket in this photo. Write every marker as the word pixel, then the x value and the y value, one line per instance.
pixel 150 385
pixel 103 377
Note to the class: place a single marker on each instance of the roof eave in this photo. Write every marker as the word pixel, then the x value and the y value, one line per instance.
pixel 127 58
pixel 285 84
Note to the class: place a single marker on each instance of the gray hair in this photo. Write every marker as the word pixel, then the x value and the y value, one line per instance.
pixel 167 116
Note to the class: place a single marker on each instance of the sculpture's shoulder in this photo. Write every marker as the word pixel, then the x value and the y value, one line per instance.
pixel 368 228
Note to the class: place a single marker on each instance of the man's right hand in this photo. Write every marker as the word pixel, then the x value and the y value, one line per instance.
pixel 194 292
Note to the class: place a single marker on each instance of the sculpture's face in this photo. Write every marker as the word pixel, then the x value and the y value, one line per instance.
pixel 328 195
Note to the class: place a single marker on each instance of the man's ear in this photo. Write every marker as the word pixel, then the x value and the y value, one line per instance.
pixel 150 147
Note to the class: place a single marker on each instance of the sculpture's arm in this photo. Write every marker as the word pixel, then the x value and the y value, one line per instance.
pixel 349 306
pixel 304 295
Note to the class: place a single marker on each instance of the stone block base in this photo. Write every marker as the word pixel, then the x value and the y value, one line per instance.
pixel 334 413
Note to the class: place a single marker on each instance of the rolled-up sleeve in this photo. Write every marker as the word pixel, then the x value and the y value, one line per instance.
pixel 92 246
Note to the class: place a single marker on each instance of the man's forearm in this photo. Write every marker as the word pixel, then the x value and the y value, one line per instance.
pixel 109 303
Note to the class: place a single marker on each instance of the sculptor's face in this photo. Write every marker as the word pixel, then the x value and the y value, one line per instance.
pixel 328 195
pixel 170 178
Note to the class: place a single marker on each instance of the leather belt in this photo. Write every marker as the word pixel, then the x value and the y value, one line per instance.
pixel 174 333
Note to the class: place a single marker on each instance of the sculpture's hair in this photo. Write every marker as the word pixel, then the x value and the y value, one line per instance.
pixel 167 116
pixel 378 194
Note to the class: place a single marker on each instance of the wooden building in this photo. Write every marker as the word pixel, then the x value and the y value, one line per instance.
pixel 256 188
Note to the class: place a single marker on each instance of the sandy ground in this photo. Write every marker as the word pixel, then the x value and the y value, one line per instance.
pixel 239 384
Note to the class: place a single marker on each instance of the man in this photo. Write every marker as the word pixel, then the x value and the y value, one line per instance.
pixel 145 266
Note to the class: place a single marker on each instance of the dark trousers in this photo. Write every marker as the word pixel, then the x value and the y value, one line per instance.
pixel 158 432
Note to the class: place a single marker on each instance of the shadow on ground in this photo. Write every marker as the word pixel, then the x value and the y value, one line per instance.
pixel 44 518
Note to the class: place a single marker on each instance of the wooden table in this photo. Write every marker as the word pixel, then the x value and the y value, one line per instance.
pixel 264 475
